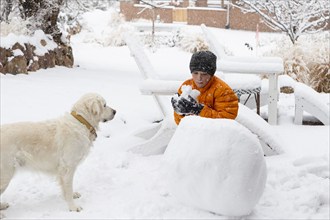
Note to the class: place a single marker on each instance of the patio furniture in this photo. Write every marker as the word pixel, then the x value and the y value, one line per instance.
pixel 272 66
pixel 308 100
pixel 157 136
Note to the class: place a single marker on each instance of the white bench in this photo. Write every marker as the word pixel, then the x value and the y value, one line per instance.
pixel 307 99
pixel 272 66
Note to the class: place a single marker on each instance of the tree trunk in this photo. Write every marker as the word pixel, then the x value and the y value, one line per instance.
pixel 44 14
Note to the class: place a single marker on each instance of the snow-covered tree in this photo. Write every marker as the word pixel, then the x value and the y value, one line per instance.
pixel 43 14
pixel 5 9
pixel 39 14
pixel 293 17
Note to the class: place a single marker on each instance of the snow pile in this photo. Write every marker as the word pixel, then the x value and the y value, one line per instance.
pixel 215 165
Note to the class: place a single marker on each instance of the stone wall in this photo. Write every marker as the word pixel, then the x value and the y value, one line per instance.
pixel 22 58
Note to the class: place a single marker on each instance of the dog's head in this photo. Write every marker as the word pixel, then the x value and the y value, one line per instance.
pixel 93 108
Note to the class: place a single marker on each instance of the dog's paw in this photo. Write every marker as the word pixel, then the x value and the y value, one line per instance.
pixel 75 209
pixel 76 195
pixel 4 206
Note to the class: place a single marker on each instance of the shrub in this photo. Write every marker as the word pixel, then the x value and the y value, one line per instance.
pixel 16 26
pixel 307 61
pixel 192 42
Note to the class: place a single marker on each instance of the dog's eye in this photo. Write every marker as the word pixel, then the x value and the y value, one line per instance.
pixel 105 105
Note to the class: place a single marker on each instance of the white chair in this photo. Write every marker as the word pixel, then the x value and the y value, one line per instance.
pixel 158 135
pixel 307 99
pixel 245 86
pixel 272 66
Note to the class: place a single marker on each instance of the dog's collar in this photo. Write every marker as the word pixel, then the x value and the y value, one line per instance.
pixel 82 120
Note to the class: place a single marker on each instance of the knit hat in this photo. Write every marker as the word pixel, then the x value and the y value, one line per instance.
pixel 204 61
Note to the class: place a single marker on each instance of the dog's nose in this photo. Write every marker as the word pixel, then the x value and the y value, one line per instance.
pixel 114 112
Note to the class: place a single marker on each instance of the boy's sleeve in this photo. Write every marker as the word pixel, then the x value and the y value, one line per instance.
pixel 225 105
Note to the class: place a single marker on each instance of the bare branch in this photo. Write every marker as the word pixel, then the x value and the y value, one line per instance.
pixel 293 17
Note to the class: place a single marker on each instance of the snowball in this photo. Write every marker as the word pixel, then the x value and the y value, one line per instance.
pixel 216 165
pixel 187 90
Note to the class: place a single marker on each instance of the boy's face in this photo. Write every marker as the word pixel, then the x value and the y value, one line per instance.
pixel 201 78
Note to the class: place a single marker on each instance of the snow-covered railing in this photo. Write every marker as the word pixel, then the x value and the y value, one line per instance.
pixel 159 87
pixel 272 66
pixel 307 99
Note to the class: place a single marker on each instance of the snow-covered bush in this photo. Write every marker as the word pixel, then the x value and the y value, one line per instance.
pixel 114 34
pixel 295 63
pixel 319 75
pixel 115 25
pixel 164 38
pixel 307 61
pixel 69 23
pixel 15 26
pixel 187 41
pixel 72 11
pixel 192 42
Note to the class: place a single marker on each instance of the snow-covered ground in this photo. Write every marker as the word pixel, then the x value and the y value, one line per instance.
pixel 118 184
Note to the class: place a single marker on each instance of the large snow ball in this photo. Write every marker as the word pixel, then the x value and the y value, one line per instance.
pixel 216 165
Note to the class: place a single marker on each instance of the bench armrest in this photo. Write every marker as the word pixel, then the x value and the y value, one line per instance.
pixel 159 87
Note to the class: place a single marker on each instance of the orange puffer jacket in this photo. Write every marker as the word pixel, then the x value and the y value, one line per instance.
pixel 218 98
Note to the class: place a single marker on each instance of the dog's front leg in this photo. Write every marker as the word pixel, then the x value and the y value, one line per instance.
pixel 66 181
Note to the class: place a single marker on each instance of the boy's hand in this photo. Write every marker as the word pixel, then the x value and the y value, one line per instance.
pixel 185 106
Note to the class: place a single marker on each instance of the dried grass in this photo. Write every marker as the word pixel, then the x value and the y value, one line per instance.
pixel 193 43
pixel 308 62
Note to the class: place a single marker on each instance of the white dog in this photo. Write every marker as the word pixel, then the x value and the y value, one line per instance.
pixel 54 146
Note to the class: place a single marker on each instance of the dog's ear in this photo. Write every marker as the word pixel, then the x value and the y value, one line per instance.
pixel 96 107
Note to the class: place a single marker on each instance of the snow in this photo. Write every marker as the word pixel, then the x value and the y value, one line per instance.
pixel 242 81
pixel 35 40
pixel 188 91
pixel 215 170
pixel 260 127
pixel 117 183
pixel 245 66
pixel 17 52
pixel 321 100
pixel 149 86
